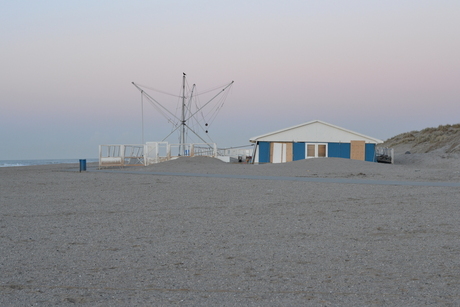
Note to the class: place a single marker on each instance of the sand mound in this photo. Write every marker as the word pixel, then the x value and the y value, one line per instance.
pixel 430 167
pixel 193 161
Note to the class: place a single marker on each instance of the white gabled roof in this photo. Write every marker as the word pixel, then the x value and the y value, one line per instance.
pixel 314 131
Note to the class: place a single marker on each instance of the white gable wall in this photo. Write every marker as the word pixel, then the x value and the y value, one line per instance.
pixel 316 131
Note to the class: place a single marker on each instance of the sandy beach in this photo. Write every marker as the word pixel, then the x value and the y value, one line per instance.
pixel 200 232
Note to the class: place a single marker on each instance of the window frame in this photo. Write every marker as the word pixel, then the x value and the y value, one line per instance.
pixel 316 150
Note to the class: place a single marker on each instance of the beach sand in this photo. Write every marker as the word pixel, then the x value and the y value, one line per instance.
pixel 124 237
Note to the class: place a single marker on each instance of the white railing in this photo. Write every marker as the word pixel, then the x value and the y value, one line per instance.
pixel 236 154
pixel 155 152
pixel 121 155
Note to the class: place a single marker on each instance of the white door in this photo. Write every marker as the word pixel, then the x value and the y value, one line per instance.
pixel 278 153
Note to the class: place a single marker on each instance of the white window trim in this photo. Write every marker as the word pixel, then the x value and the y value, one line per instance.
pixel 316 150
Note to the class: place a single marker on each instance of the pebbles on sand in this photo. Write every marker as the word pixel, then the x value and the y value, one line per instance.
pixel 109 238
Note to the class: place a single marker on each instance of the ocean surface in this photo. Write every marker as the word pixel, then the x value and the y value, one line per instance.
pixel 17 163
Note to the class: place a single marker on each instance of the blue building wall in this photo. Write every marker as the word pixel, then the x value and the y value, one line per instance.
pixel 338 150
pixel 334 150
pixel 264 152
pixel 370 152
pixel 298 151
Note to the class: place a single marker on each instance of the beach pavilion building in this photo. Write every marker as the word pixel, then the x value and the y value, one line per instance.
pixel 315 139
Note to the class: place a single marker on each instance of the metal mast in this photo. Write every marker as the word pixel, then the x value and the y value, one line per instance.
pixel 182 131
pixel 179 122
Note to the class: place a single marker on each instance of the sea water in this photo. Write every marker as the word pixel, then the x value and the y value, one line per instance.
pixel 14 163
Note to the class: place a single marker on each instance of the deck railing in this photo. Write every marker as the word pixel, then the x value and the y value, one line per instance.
pixel 155 152
pixel 121 155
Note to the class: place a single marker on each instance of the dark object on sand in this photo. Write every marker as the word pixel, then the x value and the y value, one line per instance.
pixel 407 153
pixel 384 159
pixel 82 165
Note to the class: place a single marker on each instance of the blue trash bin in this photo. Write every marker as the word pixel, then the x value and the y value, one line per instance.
pixel 82 165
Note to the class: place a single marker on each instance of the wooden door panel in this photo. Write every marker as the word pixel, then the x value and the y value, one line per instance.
pixel 357 150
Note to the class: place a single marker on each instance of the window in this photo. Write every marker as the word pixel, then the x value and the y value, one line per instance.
pixel 315 150
pixel 311 150
pixel 321 150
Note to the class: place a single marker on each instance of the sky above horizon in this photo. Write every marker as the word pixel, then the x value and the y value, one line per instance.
pixel 379 68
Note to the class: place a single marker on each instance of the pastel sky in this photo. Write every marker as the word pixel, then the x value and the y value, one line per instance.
pixel 376 67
